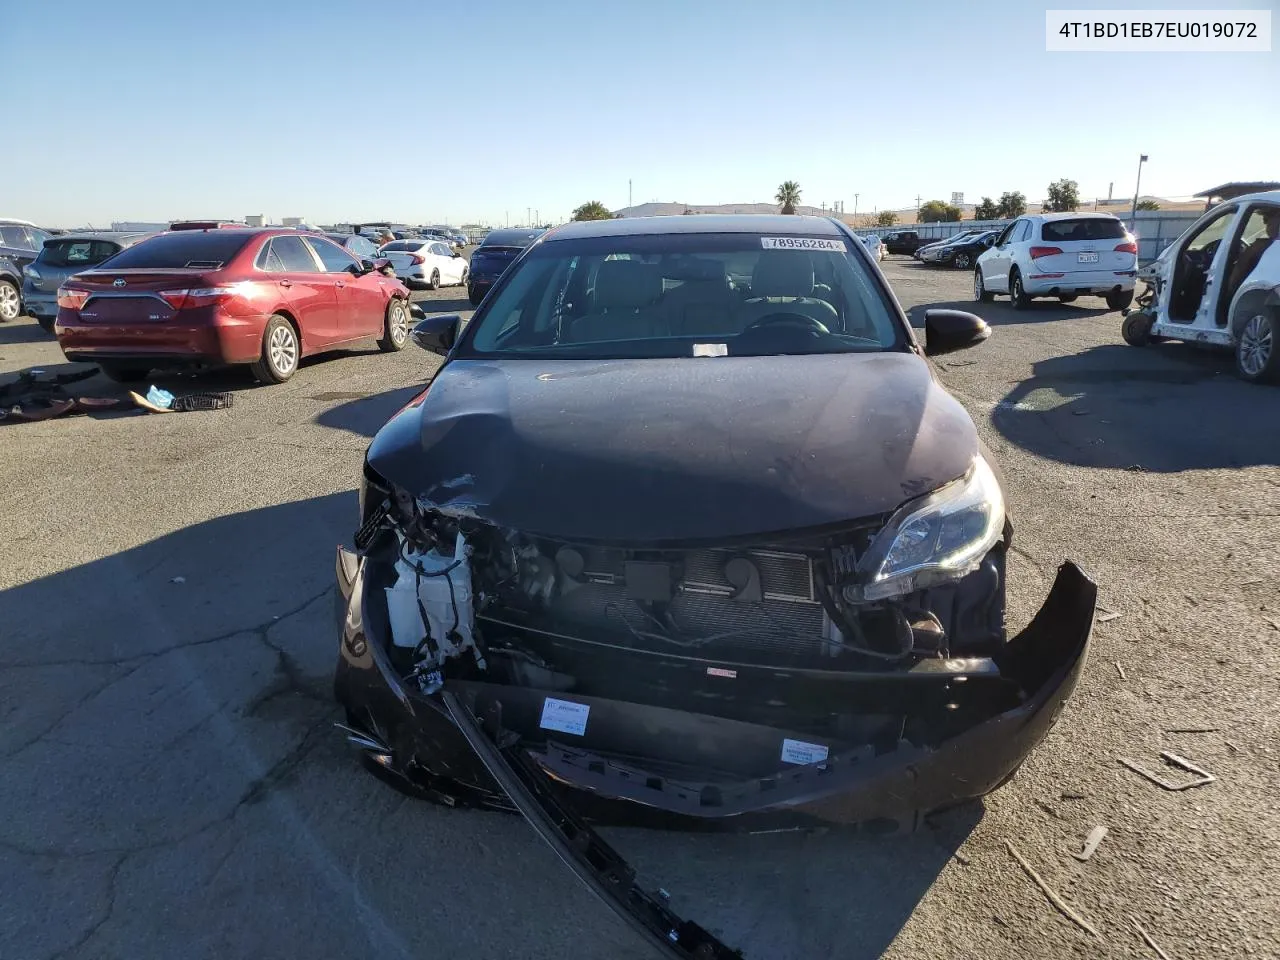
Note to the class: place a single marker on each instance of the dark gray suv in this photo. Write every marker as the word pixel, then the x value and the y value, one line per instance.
pixel 19 243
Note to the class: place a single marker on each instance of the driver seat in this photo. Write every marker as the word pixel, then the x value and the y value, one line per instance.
pixel 782 282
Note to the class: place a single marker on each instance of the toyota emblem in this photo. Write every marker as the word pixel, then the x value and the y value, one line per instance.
pixel 118 282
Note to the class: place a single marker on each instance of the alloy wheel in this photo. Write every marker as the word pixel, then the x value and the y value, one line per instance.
pixel 1257 340
pixel 10 302
pixel 962 261
pixel 283 349
pixel 399 324
pixel 977 285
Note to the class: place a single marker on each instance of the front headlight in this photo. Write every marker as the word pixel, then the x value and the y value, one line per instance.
pixel 939 538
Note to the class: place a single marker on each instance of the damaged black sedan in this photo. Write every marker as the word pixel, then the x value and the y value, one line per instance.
pixel 686 526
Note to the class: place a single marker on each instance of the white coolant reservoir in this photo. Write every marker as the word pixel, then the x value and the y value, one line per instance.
pixel 442 584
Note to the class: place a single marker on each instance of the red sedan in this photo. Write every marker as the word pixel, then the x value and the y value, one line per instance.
pixel 200 298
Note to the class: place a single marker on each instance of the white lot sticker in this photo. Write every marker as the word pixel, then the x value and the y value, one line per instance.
pixel 802 243
pixel 722 672
pixel 797 751
pixel 710 349
pixel 565 716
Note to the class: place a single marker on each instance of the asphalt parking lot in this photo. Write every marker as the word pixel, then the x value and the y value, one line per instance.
pixel 172 786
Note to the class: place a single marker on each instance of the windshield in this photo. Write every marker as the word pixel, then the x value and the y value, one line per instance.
pixel 685 295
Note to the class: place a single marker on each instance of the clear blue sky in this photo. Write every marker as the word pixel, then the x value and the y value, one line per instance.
pixel 431 112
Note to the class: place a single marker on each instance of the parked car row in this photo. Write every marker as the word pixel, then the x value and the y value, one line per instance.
pixel 492 257
pixel 20 243
pixel 426 262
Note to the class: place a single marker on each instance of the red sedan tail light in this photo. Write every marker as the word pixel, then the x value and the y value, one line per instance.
pixel 1127 247
pixel 1038 252
pixel 197 296
pixel 72 299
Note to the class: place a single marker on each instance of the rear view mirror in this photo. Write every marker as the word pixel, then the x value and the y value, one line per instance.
pixel 946 331
pixel 437 334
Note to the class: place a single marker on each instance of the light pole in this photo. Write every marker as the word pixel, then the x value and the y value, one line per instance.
pixel 1142 158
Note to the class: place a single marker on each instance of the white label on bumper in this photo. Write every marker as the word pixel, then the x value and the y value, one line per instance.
pixel 565 716
pixel 797 751
pixel 801 243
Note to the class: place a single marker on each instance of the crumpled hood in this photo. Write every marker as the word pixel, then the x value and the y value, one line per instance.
pixel 677 451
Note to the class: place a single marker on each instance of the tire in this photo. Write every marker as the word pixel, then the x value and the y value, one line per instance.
pixel 395 327
pixel 1120 301
pixel 1136 329
pixel 281 351
pixel 1018 293
pixel 463 281
pixel 10 301
pixel 123 373
pixel 1068 298
pixel 963 261
pixel 980 291
pixel 46 323
pixel 434 283
pixel 475 296
pixel 1257 356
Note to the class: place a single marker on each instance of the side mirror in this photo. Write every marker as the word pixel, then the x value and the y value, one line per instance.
pixel 437 334
pixel 946 331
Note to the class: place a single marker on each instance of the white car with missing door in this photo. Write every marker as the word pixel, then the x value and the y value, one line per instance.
pixel 426 262
pixel 1063 255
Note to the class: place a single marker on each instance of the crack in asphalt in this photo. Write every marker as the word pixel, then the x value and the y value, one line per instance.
pixel 113 874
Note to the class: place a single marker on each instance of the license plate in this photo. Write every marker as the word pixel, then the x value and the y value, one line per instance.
pixel 1088 258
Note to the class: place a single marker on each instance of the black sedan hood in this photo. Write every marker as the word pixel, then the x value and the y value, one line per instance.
pixel 680 450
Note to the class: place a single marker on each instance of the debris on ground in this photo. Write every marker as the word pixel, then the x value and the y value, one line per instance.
pixel 34 397
pixel 1070 796
pixel 1136 468
pixel 1049 892
pixel 162 401
pixel 961 858
pixel 1193 730
pixel 1149 942
pixel 1120 670
pixel 1091 843
pixel 1049 809
pixel 1106 616
pixel 177 579
pixel 1202 776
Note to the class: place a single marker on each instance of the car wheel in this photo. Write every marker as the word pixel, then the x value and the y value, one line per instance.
pixel 1017 292
pixel 395 330
pixel 1257 359
pixel 10 302
pixel 980 291
pixel 963 261
pixel 1067 297
pixel 280 352
pixel 123 373
pixel 1120 301
pixel 475 296
pixel 1136 329
pixel 434 284
pixel 463 281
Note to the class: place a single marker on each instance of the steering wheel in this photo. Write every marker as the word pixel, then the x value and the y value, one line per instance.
pixel 785 318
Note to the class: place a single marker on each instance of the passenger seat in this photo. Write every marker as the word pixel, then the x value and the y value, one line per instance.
pixel 625 305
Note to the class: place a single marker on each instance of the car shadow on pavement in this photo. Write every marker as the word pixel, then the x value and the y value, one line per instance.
pixel 23 330
pixel 1001 313
pixel 365 415
pixel 169 732
pixel 1164 408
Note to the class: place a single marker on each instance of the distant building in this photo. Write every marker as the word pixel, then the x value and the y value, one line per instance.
pixel 255 219
pixel 292 221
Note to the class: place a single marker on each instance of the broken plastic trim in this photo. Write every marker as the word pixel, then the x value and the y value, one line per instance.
pixel 594 862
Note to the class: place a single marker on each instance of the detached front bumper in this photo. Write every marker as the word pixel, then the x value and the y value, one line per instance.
pixel 697 766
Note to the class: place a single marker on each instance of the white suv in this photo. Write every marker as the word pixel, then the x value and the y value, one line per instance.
pixel 1060 255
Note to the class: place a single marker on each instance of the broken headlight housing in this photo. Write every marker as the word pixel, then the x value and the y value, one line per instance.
pixel 938 538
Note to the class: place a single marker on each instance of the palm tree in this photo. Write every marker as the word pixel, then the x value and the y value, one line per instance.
pixel 789 196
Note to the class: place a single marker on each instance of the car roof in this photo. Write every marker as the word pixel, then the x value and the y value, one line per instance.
pixel 506 237
pixel 18 223
pixel 99 235
pixel 1266 196
pixel 1077 215
pixel 769 224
